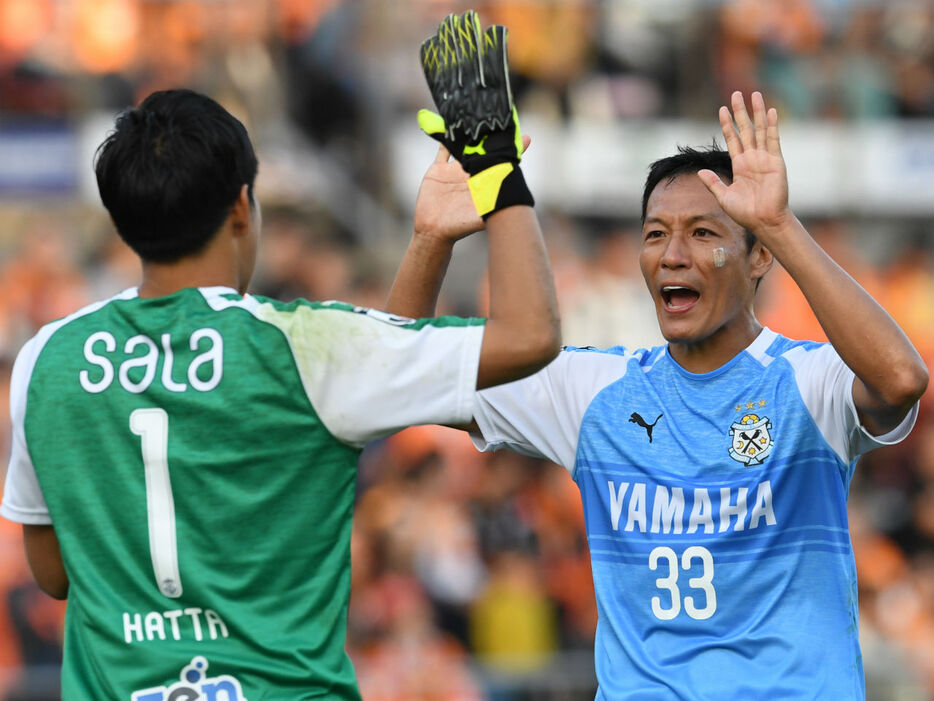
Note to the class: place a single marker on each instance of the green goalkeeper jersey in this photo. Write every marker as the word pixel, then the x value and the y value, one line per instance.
pixel 196 454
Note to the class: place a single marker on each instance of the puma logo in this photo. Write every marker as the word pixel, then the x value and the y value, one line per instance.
pixel 637 419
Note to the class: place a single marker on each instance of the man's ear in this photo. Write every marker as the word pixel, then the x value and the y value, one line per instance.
pixel 760 262
pixel 240 214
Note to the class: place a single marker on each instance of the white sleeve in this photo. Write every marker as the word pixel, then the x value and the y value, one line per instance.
pixel 369 374
pixel 23 501
pixel 541 415
pixel 826 386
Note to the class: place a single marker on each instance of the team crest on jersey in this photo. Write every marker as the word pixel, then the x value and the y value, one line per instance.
pixel 194 685
pixel 752 439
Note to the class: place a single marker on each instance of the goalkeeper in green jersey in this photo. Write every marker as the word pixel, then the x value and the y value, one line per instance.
pixel 184 453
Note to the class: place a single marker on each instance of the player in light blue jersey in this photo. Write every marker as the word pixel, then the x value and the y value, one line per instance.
pixel 714 470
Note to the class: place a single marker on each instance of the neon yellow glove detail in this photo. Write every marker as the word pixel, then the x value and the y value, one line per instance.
pixel 468 76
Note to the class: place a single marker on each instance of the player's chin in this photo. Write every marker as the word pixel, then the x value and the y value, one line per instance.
pixel 678 330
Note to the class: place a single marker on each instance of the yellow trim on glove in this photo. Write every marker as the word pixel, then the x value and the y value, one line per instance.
pixel 485 185
pixel 431 122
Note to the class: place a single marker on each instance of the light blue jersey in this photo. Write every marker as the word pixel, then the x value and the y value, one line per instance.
pixel 715 507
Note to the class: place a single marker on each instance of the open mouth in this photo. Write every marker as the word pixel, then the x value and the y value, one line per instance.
pixel 679 298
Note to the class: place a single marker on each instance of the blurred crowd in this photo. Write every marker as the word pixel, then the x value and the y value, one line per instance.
pixel 339 69
pixel 471 574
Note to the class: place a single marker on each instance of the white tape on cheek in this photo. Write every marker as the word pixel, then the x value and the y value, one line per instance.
pixel 719 257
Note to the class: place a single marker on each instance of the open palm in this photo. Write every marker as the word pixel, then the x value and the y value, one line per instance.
pixel 757 198
pixel 444 207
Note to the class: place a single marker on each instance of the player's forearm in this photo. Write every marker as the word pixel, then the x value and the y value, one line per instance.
pixel 523 332
pixel 417 284
pixel 862 332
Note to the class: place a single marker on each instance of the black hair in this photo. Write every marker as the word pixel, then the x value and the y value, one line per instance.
pixel 690 160
pixel 171 171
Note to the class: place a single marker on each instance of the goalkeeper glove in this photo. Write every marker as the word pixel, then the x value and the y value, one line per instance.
pixel 468 76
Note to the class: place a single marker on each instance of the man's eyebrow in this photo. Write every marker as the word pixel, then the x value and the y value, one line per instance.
pixel 707 216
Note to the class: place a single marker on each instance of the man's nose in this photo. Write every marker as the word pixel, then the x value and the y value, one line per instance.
pixel 676 253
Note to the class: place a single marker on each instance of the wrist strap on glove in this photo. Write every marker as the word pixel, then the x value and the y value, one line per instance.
pixel 498 187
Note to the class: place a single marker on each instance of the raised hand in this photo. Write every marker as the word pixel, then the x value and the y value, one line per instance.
pixel 758 196
pixel 467 71
pixel 444 208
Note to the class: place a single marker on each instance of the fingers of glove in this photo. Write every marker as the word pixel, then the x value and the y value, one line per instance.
pixel 434 125
pixel 467 73
pixel 473 35
pixel 431 123
pixel 495 58
pixel 429 55
pixel 467 42
pixel 432 65
pixel 446 47
pixel 453 35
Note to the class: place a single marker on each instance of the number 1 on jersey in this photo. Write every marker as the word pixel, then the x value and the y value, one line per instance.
pixel 152 426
